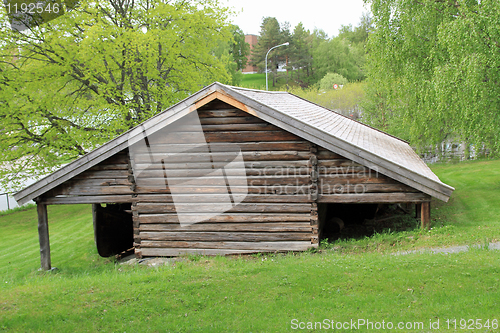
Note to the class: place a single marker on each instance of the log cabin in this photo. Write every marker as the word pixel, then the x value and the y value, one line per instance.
pixel 230 170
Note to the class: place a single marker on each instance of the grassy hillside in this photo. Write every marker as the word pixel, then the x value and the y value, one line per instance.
pixel 254 81
pixel 349 280
pixel 258 81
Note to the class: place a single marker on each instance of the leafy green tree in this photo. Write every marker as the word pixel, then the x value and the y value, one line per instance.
pixel 433 71
pixel 233 53
pixel 239 49
pixel 79 80
pixel 301 52
pixel 338 56
pixel 271 34
pixel 358 34
pixel 330 79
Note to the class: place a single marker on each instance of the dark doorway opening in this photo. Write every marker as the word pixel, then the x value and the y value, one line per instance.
pixel 344 221
pixel 113 228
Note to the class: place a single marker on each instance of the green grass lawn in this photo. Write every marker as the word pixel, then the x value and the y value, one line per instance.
pixel 348 280
pixel 258 81
pixel 254 81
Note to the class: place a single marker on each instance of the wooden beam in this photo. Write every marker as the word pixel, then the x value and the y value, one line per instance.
pixel 374 198
pixel 425 215
pixel 169 252
pixel 418 210
pixel 43 236
pixel 89 199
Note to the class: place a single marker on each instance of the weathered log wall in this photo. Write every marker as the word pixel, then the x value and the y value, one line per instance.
pixel 286 178
pixel 343 181
pixel 275 215
pixel 111 181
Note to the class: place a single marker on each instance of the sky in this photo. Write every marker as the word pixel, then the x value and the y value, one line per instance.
pixel 327 15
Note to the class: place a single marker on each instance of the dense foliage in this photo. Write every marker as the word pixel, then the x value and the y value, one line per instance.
pixel 433 71
pixel 83 78
pixel 312 55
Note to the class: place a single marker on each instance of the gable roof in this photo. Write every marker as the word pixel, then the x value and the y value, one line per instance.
pixel 342 135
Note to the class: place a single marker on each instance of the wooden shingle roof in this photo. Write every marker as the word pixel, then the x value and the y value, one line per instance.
pixel 342 135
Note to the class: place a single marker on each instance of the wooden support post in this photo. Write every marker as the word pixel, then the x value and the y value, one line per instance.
pixel 425 215
pixel 137 232
pixel 314 223
pixel 418 210
pixel 43 236
pixel 313 192
pixel 95 207
pixel 313 174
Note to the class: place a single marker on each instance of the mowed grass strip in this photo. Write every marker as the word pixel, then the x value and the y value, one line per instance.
pixel 254 81
pixel 260 294
pixel 360 279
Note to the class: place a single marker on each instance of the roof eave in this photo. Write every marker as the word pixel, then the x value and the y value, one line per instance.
pixel 429 186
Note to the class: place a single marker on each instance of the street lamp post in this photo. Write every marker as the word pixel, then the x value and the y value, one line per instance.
pixel 272 48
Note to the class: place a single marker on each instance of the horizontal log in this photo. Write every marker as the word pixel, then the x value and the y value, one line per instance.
pixel 225 156
pixel 259 246
pixel 249 172
pixel 224 236
pixel 217 207
pixel 219 180
pixel 222 113
pixel 248 165
pixel 300 145
pixel 338 162
pixel 347 169
pixel 159 252
pixel 355 179
pixel 90 190
pixel 103 174
pixel 119 158
pixel 89 199
pixel 229 136
pixel 97 182
pixel 227 127
pixel 229 218
pixel 100 167
pixel 328 155
pixel 236 227
pixel 374 198
pixel 211 190
pixel 167 198
pixel 231 120
pixel 364 188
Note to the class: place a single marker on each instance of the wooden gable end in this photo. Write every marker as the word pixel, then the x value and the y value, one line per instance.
pixel 268 219
pixel 276 161
pixel 110 181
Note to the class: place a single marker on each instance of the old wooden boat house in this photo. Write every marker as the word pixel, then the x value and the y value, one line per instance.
pixel 230 171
